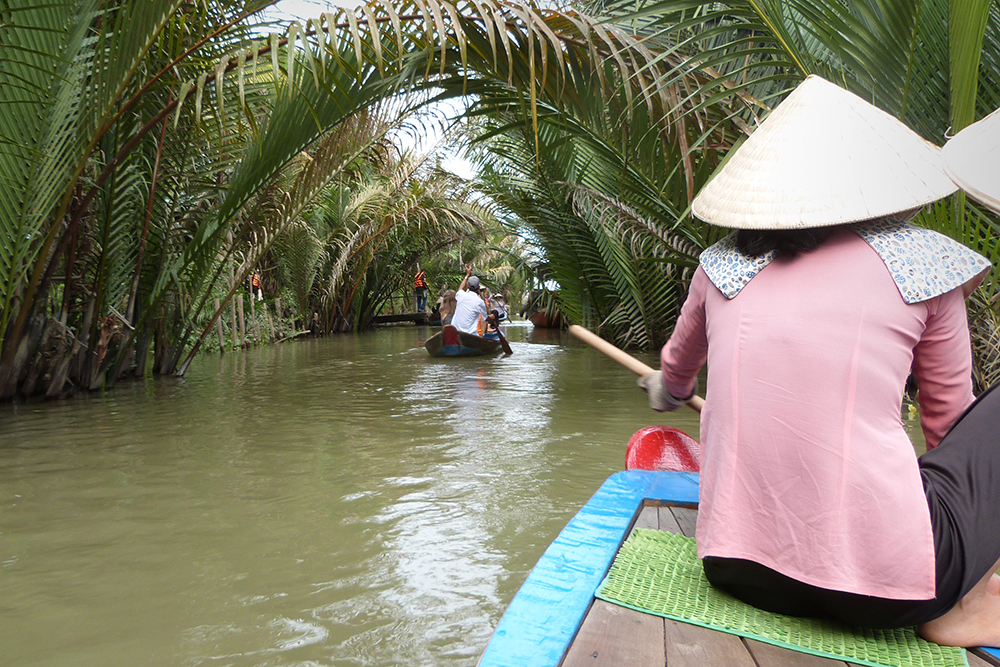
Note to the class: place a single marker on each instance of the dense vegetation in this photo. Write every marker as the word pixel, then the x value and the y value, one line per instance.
pixel 154 155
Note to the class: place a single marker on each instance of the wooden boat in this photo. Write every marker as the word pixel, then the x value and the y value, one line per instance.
pixel 542 310
pixel 555 620
pixel 450 342
pixel 542 320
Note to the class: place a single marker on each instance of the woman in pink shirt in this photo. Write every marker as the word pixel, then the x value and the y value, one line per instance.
pixel 810 318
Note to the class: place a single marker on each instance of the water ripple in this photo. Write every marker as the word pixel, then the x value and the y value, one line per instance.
pixel 345 501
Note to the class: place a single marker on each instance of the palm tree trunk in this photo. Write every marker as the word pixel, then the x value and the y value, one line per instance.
pixel 243 328
pixel 133 292
pixel 253 318
pixel 142 350
pixel 277 315
pixel 218 322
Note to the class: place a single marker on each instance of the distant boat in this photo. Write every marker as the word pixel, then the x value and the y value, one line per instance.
pixel 542 320
pixel 543 310
pixel 450 342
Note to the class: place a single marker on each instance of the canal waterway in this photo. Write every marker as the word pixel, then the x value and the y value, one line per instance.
pixel 342 501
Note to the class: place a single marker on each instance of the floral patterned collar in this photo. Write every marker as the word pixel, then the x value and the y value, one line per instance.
pixel 923 263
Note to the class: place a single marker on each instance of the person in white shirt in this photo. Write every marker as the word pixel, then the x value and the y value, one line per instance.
pixel 470 309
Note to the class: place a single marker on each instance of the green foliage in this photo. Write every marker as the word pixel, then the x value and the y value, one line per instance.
pixel 920 61
pixel 617 270
pixel 154 154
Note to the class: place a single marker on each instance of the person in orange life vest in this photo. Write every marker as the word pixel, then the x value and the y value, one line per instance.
pixel 255 289
pixel 420 289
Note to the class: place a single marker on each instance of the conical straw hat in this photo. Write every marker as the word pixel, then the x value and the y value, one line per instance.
pixel 972 159
pixel 823 157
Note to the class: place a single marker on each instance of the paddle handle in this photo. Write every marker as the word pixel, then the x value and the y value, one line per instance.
pixel 601 345
pixel 623 358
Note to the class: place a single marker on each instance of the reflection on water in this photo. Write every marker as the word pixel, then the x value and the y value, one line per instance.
pixel 345 501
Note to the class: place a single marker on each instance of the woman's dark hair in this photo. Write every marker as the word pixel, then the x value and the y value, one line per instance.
pixel 788 242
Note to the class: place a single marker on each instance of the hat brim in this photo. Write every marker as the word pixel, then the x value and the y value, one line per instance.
pixel 823 157
pixel 972 160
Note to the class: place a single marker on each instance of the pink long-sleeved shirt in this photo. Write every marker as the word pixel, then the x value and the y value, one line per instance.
pixel 807 467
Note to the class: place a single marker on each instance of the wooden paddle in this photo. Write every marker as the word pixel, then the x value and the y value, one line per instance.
pixel 624 358
pixel 503 342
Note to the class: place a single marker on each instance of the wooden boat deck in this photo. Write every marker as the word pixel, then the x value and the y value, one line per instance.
pixel 612 636
pixel 555 621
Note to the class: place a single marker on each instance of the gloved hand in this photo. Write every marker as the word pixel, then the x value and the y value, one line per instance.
pixel 659 398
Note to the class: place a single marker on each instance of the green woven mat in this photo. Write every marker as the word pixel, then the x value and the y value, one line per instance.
pixel 659 573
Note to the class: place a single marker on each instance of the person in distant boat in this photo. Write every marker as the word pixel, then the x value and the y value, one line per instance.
pixel 499 304
pixel 448 305
pixel 470 309
pixel 491 329
pixel 810 317
pixel 488 327
pixel 420 290
pixel 255 289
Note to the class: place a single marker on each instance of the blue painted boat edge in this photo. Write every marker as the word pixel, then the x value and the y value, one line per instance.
pixel 547 611
pixel 458 351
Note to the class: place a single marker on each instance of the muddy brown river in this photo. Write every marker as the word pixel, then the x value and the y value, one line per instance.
pixel 340 501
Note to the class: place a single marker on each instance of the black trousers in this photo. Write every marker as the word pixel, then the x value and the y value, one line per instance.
pixel 961 479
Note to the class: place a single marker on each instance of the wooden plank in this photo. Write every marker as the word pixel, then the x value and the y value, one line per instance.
pixel 612 636
pixel 668 523
pixel 647 518
pixel 769 655
pixel 687 518
pixel 978 658
pixel 693 646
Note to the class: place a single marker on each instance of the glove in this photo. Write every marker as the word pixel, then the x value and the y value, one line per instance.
pixel 659 398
